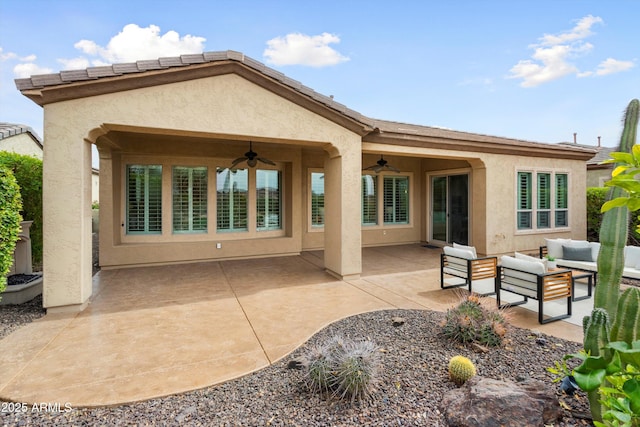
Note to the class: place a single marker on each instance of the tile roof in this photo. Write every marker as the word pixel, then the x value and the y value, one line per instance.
pixel 8 130
pixel 381 126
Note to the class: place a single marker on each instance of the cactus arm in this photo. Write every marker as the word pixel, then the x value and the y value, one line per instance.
pixel 613 231
pixel 626 326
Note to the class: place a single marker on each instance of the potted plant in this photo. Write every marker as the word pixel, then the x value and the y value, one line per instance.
pixel 551 262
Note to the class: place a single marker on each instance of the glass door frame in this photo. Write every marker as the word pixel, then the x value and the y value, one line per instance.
pixel 429 199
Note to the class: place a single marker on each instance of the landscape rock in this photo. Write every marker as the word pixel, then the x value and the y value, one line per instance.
pixel 485 402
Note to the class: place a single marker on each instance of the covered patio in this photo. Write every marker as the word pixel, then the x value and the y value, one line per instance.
pixel 154 331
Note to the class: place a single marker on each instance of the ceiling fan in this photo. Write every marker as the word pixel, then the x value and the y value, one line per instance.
pixel 380 165
pixel 252 158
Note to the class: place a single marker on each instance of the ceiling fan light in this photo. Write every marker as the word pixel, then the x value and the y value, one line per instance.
pixel 252 162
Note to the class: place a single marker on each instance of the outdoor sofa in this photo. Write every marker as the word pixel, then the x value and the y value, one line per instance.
pixel 583 255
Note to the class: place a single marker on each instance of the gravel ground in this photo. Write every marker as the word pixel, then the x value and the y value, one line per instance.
pixel 413 380
pixel 14 316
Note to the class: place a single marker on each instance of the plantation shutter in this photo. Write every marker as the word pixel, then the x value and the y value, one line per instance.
pixel 524 201
pixel 189 199
pixel 369 200
pixel 562 200
pixel 396 199
pixel 269 214
pixel 317 199
pixel 232 203
pixel 544 200
pixel 144 199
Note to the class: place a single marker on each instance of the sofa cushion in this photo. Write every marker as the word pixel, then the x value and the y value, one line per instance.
pixel 632 256
pixel 460 253
pixel 577 253
pixel 466 248
pixel 554 247
pixel 595 250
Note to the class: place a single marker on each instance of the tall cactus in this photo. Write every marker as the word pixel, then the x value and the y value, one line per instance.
pixel 613 238
pixel 613 230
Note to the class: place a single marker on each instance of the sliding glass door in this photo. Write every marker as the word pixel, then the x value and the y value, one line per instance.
pixel 450 208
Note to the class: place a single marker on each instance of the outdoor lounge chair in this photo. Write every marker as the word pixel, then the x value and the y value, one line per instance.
pixel 462 261
pixel 530 279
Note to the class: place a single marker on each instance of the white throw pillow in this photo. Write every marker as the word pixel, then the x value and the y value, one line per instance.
pixel 466 248
pixel 595 250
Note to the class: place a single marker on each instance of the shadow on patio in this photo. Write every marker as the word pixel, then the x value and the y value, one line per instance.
pixel 154 331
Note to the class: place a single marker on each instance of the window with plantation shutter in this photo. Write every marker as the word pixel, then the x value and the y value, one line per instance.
pixel 550 193
pixel 317 199
pixel 369 200
pixel 232 200
pixel 524 201
pixel 144 199
pixel 396 199
pixel 268 212
pixel 562 200
pixel 544 200
pixel 189 187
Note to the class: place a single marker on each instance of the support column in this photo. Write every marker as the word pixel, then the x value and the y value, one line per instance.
pixel 66 203
pixel 342 229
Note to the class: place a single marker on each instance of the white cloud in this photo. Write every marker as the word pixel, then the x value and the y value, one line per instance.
pixel 28 69
pixel 6 56
pixel 610 66
pixel 135 43
pixel 552 56
pixel 301 49
pixel 79 63
pixel 581 31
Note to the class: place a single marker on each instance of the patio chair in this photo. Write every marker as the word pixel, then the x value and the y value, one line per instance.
pixel 530 279
pixel 462 262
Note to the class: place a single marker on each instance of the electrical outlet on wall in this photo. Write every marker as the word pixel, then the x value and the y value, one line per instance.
pixel 218 245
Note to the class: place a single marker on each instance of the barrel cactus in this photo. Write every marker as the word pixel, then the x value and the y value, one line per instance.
pixel 461 369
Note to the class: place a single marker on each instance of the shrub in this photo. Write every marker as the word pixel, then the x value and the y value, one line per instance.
pixel 342 368
pixel 596 196
pixel 28 173
pixel 472 321
pixel 9 222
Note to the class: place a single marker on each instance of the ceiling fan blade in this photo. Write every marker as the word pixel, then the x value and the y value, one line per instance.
pixel 370 168
pixel 267 161
pixel 378 168
pixel 238 160
pixel 393 169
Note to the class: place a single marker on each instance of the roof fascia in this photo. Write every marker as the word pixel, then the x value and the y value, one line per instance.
pixel 522 149
pixel 126 82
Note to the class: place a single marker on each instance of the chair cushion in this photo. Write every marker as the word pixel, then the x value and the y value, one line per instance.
pixel 532 267
pixel 460 253
pixel 595 250
pixel 525 257
pixel 577 253
pixel 466 248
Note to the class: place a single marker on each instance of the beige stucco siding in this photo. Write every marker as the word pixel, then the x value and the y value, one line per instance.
pixel 21 144
pixel 225 107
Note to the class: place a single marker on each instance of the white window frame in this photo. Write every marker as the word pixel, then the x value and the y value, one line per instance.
pixel 380 201
pixel 311 227
pixel 190 199
pixel 534 210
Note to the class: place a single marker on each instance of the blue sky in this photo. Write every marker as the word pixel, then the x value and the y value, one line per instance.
pixel 535 70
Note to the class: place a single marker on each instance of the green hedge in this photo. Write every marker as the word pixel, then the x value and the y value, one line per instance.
pixel 28 173
pixel 9 221
pixel 596 196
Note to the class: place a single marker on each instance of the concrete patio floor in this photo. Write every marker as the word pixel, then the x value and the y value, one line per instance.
pixel 155 331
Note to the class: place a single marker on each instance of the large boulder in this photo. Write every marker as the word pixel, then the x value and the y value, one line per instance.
pixel 487 402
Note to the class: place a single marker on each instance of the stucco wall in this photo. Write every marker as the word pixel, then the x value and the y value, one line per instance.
pixel 225 107
pixel 21 144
